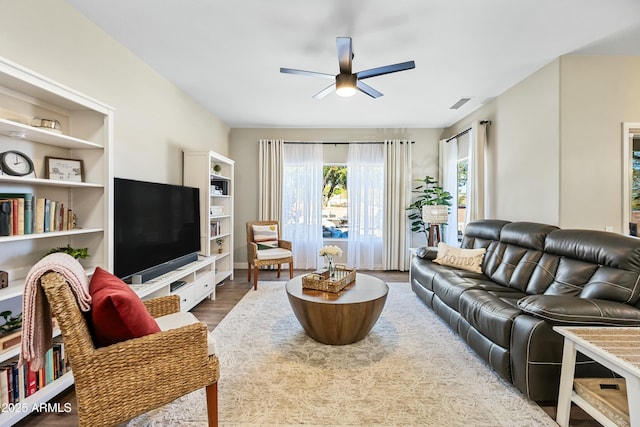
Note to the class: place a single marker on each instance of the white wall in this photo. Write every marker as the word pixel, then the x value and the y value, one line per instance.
pixel 244 150
pixel 526 149
pixel 154 120
pixel 598 93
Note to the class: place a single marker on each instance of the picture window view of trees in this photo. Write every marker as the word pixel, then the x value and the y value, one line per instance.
pixel 335 202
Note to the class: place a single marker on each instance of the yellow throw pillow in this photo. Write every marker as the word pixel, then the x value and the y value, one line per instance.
pixel 465 259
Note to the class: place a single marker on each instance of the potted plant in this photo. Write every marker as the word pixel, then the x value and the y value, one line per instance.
pixel 429 193
pixel 219 242
pixel 77 253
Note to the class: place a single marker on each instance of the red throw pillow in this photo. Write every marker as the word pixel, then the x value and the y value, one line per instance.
pixel 117 312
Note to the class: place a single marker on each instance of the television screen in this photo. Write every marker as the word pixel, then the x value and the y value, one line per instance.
pixel 153 224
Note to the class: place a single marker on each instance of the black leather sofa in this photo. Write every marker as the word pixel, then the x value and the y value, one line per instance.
pixel 534 276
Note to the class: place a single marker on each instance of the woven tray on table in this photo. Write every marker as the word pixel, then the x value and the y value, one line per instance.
pixel 341 280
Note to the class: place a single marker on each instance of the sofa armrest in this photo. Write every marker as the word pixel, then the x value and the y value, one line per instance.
pixel 428 253
pixel 284 244
pixel 252 251
pixel 570 310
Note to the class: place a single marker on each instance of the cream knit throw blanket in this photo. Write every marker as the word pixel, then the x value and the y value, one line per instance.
pixel 36 312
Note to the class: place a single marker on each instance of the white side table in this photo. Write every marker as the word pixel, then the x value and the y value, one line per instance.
pixel 617 348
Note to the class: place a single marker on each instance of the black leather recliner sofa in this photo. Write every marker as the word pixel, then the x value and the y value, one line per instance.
pixel 534 276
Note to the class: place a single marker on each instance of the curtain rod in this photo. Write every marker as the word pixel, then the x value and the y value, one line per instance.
pixel 482 122
pixel 339 143
pixel 464 132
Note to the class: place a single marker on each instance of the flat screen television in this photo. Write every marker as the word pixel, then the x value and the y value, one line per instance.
pixel 156 228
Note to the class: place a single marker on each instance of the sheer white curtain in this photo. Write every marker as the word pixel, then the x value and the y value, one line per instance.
pixel 365 174
pixel 270 179
pixel 397 189
pixel 476 172
pixel 302 202
pixel 449 182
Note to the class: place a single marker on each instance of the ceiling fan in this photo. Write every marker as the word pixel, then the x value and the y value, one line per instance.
pixel 347 83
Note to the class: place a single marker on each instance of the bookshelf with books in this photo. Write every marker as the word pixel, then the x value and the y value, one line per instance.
pixel 58 129
pixel 213 174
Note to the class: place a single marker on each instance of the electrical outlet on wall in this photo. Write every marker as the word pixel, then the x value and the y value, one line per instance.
pixel 609 228
pixel 4 279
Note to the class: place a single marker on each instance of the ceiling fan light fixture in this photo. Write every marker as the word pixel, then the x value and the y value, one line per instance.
pixel 346 85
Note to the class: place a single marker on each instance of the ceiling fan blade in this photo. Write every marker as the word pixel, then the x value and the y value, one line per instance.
pixel 324 92
pixel 306 73
pixel 345 54
pixel 387 69
pixel 363 87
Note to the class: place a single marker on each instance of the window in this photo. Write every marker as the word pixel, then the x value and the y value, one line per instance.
pixel 635 184
pixel 463 168
pixel 335 202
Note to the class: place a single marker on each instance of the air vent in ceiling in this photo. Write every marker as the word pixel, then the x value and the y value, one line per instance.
pixel 460 103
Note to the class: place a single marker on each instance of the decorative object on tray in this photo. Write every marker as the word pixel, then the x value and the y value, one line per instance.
pixel 329 252
pixel 50 125
pixel 63 169
pixel 319 281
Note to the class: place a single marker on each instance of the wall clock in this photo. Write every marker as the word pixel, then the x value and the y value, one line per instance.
pixel 15 163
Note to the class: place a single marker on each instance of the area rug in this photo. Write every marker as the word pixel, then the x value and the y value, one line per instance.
pixel 410 370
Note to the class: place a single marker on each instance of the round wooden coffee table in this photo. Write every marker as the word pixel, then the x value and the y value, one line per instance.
pixel 338 318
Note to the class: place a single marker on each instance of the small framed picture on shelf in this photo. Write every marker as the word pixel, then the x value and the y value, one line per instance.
pixel 63 169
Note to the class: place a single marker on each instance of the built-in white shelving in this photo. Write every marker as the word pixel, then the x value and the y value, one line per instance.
pixel 213 174
pixel 86 134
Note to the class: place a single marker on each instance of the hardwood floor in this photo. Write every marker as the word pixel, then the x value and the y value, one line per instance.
pixel 212 312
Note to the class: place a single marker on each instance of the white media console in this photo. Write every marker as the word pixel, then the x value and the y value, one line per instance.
pixel 200 283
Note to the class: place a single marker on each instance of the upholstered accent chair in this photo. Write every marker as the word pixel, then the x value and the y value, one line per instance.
pixel 264 248
pixel 118 382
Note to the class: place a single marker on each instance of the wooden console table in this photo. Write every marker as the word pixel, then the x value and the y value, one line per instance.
pixel 617 348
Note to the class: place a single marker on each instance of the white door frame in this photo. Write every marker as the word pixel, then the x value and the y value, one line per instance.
pixel 629 129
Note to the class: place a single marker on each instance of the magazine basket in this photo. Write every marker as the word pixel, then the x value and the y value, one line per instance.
pixel 343 277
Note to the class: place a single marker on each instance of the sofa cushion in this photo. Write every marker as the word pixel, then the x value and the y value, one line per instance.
pixel 570 277
pixel 582 311
pixel 530 235
pixel 511 265
pixel 597 247
pixel 117 312
pixel 489 314
pixel 448 286
pixel 480 233
pixel 465 259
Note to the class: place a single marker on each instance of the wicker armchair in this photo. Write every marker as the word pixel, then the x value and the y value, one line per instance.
pixel 116 383
pixel 264 257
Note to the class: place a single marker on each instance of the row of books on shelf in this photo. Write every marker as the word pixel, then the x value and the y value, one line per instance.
pixel 22 213
pixel 215 228
pixel 18 383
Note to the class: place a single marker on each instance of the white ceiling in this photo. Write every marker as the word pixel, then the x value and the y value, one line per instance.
pixel 227 54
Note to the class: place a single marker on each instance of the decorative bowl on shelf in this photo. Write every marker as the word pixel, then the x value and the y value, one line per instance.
pixel 46 124
pixel 216 210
